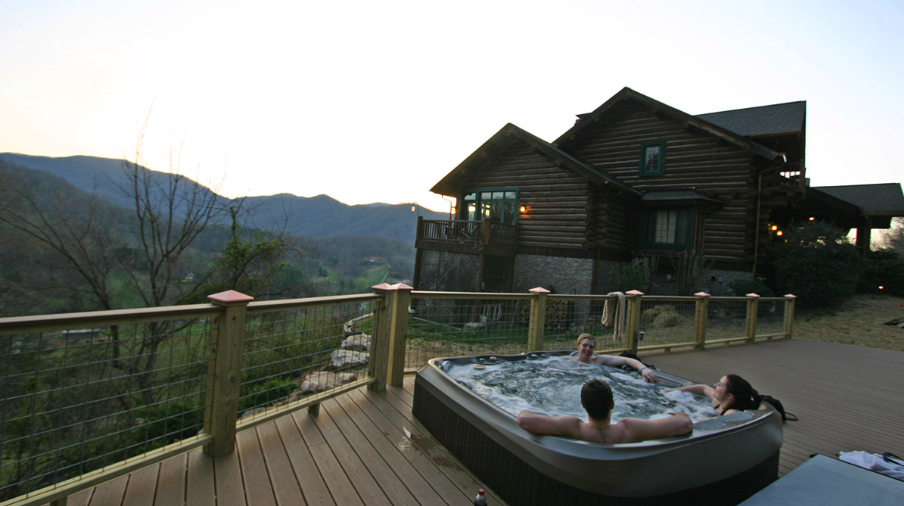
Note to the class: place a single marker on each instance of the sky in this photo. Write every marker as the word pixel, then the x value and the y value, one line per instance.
pixel 377 101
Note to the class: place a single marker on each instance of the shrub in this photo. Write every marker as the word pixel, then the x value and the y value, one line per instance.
pixel 688 265
pixel 816 262
pixel 884 268
pixel 742 287
pixel 638 274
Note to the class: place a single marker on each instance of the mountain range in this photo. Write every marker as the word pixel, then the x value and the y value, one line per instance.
pixel 316 217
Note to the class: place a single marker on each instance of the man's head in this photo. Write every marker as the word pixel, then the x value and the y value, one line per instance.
pixel 586 344
pixel 586 336
pixel 596 397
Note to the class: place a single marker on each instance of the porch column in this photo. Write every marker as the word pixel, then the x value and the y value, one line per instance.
pixel 752 308
pixel 224 371
pixel 537 318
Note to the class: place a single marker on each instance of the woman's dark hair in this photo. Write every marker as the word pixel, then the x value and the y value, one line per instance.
pixel 745 396
pixel 596 397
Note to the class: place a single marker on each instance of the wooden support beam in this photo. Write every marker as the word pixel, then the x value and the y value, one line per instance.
pixel 224 371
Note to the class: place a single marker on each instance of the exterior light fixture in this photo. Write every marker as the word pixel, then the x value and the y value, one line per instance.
pixel 453 210
pixel 523 209
pixel 412 209
pixel 778 233
pixel 774 227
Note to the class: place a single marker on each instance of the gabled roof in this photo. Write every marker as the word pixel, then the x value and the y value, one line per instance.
pixel 775 119
pixel 587 120
pixel 883 199
pixel 449 185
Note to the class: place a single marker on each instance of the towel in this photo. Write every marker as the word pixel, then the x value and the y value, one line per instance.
pixel 874 462
pixel 614 314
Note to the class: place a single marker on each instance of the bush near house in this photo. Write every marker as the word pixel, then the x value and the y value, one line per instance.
pixel 885 269
pixel 816 262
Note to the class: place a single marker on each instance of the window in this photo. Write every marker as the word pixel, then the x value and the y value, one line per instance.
pixel 496 205
pixel 667 229
pixel 652 158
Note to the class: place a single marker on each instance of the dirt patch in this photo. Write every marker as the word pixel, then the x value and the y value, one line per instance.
pixel 859 321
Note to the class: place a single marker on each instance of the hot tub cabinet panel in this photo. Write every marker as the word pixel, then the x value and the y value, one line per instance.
pixel 722 462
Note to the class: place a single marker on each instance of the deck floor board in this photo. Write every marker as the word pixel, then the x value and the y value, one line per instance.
pixel 365 447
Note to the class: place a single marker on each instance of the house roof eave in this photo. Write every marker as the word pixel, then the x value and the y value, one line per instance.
pixel 451 183
pixel 628 94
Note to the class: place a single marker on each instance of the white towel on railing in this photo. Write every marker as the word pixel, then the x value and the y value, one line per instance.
pixel 614 314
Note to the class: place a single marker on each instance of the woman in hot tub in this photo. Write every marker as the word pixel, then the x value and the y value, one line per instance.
pixel 732 393
pixel 586 344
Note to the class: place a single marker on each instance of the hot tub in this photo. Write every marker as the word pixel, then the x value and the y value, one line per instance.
pixel 723 461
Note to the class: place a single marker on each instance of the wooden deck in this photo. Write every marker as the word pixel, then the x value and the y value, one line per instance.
pixel 365 448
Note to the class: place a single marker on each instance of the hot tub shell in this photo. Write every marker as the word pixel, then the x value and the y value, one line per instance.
pixel 723 461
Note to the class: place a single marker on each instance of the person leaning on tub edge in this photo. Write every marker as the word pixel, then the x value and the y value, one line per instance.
pixel 586 343
pixel 732 393
pixel 596 398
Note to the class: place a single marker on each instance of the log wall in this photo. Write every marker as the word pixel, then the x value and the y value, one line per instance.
pixel 557 198
pixel 693 159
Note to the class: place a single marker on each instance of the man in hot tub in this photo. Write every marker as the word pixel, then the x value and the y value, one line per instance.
pixel 596 397
pixel 586 344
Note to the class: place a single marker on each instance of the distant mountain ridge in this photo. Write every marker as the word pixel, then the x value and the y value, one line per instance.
pixel 318 217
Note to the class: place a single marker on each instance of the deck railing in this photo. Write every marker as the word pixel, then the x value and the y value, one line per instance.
pixel 472 233
pixel 88 397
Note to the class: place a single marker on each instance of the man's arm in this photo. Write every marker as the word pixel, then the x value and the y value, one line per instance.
pixel 568 426
pixel 614 361
pixel 637 429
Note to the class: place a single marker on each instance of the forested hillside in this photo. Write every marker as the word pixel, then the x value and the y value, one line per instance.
pixel 317 217
pixel 64 249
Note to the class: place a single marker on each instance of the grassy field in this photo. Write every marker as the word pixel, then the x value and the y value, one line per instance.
pixel 860 321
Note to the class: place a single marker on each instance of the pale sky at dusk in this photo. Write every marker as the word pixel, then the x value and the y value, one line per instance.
pixel 376 101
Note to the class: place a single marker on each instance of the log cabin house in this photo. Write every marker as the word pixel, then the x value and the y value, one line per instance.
pixel 634 177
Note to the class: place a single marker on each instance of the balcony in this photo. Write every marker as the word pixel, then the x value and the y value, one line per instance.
pixel 471 237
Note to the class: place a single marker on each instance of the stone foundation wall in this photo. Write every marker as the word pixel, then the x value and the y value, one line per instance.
pixel 559 275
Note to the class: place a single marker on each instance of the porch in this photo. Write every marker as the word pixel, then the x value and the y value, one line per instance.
pixel 365 448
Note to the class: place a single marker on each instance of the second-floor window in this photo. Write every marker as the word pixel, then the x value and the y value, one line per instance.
pixel 496 205
pixel 652 158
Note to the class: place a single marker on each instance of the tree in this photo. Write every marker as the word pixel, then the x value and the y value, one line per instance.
pixel 78 229
pixel 254 265
pixel 892 238
pixel 147 246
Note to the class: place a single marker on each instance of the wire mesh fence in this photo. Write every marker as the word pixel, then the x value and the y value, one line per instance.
pixel 441 327
pixel 290 354
pixel 78 400
pixel 666 322
pixel 726 319
pixel 569 316
pixel 770 319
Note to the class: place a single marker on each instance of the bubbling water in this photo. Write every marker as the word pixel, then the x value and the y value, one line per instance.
pixel 553 387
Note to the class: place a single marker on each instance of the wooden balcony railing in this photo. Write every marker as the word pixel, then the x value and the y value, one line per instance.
pixel 467 236
pixel 81 408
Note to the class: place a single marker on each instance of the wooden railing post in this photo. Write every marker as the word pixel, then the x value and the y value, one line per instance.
pixel 752 308
pixel 224 371
pixel 401 298
pixel 382 330
pixel 701 312
pixel 633 299
pixel 537 318
pixel 789 314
